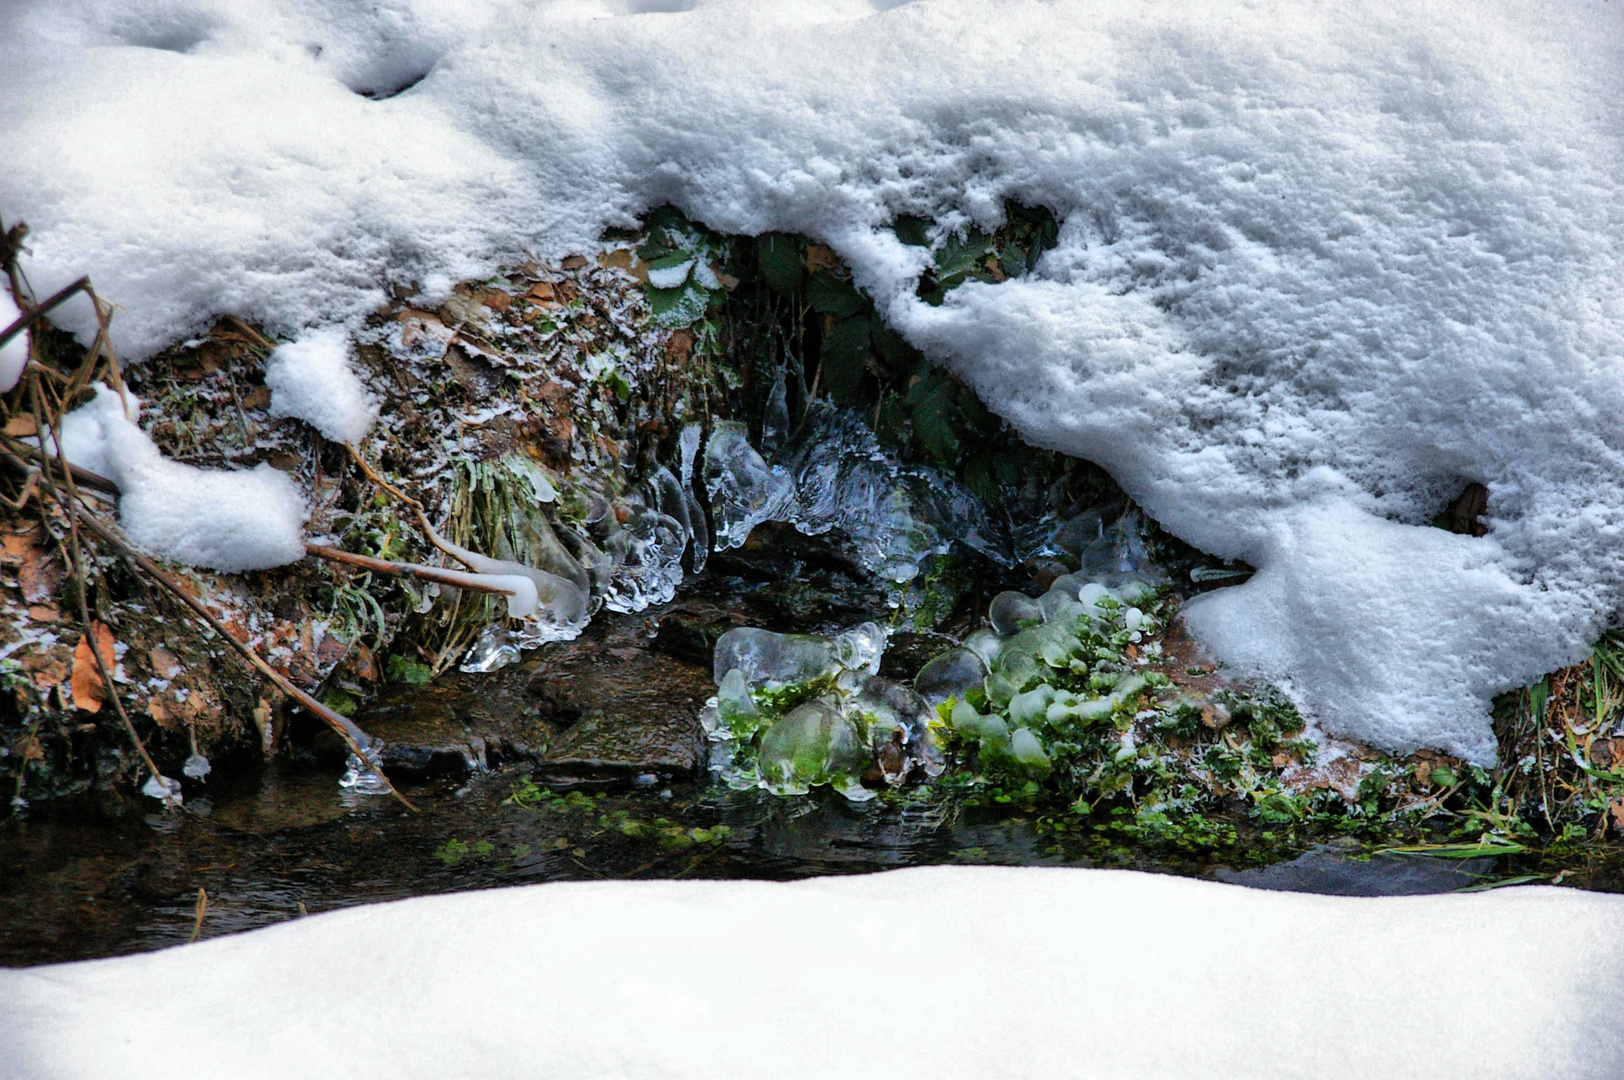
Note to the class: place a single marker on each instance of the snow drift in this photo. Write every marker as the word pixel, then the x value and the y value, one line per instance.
pixel 948 972
pixel 1321 264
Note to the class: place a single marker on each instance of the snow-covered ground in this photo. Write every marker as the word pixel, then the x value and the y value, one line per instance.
pixel 971 972
pixel 1321 263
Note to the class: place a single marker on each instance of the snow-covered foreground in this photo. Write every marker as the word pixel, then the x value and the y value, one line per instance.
pixel 941 972
pixel 1321 263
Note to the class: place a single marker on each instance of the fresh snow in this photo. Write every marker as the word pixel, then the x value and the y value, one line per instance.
pixel 226 519
pixel 1321 263
pixel 946 972
pixel 14 353
pixel 312 379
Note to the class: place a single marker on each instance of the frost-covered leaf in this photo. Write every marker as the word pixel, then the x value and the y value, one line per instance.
pixel 837 296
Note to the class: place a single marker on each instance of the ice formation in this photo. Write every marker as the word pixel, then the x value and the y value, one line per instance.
pixel 1051 972
pixel 226 519
pixel 1320 263
pixel 312 379
pixel 797 711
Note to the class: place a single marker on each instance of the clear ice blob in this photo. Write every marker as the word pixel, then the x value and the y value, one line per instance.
pixel 736 708
pixel 899 734
pixel 496 647
pixel 952 674
pixel 744 491
pixel 1027 750
pixel 1011 612
pixel 814 744
pixel 165 788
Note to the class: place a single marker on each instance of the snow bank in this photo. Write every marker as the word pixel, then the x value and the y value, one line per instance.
pixel 14 353
pixel 1321 263
pixel 944 972
pixel 230 520
pixel 312 379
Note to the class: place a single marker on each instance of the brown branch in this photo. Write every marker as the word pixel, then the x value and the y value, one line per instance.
pixel 82 477
pixel 37 312
pixel 397 569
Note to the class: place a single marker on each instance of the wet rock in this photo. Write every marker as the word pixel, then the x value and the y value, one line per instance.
pixel 910 650
pixel 627 711
pixel 689 629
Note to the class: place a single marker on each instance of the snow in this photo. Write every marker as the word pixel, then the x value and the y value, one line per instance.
pixel 949 972
pixel 312 379
pixel 1321 263
pixel 226 519
pixel 14 353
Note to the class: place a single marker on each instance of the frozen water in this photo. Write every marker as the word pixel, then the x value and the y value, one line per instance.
pixel 899 736
pixel 165 788
pixel 647 552
pixel 743 490
pixel 1318 265
pixel 197 766
pixel 1011 611
pixel 313 379
pixel 814 743
pixel 950 675
pixel 361 778
pixel 1264 984
pixel 496 647
pixel 766 659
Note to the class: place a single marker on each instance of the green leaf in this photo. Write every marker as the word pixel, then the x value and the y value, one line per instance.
pixel 677 307
pixel 845 357
pixel 831 295
pixel 911 230
pixel 781 258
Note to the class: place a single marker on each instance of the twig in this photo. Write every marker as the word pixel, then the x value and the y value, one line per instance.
pixel 405 570
pixel 202 910
pixel 37 312
pixel 81 477
pixel 417 507
pixel 249 332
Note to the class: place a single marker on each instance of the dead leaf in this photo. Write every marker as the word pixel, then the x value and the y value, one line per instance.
pixel 680 345
pixel 624 259
pixel 39 575
pixel 496 299
pixel 574 262
pixel 819 257
pixel 1615 813
pixel 164 663
pixel 21 427
pixel 88 690
pixel 158 709
pixel 45 613
pixel 267 730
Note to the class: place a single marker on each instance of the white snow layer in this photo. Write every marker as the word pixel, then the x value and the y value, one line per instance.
pixel 1321 262
pixel 312 379
pixel 14 353
pixel 227 519
pixel 947 972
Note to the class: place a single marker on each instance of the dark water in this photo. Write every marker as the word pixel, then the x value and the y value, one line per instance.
pixel 72 888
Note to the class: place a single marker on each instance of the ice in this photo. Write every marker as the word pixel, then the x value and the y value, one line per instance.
pixel 165 788
pixel 230 520
pixel 951 674
pixel 312 378
pixel 495 648
pixel 735 707
pixel 1027 750
pixel 551 608
pixel 362 778
pixel 768 659
pixel 814 744
pixel 197 766
pixel 898 724
pixel 647 552
pixel 743 490
pixel 14 353
pixel 1011 611
pixel 1318 266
